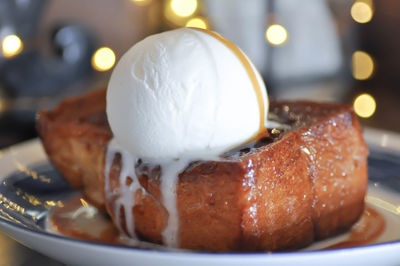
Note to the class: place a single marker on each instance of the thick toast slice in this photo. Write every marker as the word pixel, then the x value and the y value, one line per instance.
pixel 75 136
pixel 286 191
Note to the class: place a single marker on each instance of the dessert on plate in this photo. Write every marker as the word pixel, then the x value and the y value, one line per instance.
pixel 183 149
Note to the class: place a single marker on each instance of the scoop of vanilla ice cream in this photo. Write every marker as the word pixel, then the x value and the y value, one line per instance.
pixel 182 93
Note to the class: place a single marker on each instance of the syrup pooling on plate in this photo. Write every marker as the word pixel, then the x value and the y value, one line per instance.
pixel 369 227
pixel 81 220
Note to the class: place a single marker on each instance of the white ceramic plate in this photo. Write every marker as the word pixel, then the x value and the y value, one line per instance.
pixel 27 194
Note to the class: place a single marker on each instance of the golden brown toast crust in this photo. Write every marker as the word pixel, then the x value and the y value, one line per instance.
pixel 75 136
pixel 307 184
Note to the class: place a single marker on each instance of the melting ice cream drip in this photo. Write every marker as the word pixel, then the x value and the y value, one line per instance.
pixel 169 178
pixel 125 197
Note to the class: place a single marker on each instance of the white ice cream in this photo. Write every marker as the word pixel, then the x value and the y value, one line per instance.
pixel 182 93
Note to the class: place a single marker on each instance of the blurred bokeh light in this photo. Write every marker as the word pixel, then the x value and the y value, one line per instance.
pixel 276 34
pixel 362 11
pixel 11 46
pixel 103 59
pixel 197 22
pixel 184 8
pixel 2 105
pixel 363 65
pixel 364 105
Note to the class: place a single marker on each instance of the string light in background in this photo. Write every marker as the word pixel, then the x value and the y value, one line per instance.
pixel 197 22
pixel 103 59
pixel 364 105
pixel 179 11
pixel 362 11
pixel 141 2
pixel 363 65
pixel 276 34
pixel 183 8
pixel 11 46
pixel 2 105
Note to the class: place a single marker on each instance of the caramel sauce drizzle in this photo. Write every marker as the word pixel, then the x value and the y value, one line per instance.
pixel 262 131
pixel 77 227
pixel 370 226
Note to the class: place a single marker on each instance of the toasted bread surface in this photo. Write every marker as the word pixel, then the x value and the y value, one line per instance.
pixel 307 183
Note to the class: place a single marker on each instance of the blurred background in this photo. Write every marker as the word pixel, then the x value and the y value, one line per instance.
pixel 344 51
pixel 334 50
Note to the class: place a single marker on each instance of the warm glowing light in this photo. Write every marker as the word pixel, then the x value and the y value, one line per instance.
pixel 141 2
pixel 2 105
pixel 84 202
pixel 363 65
pixel 276 34
pixel 197 23
pixel 361 11
pixel 103 59
pixel 184 8
pixel 11 46
pixel 364 105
